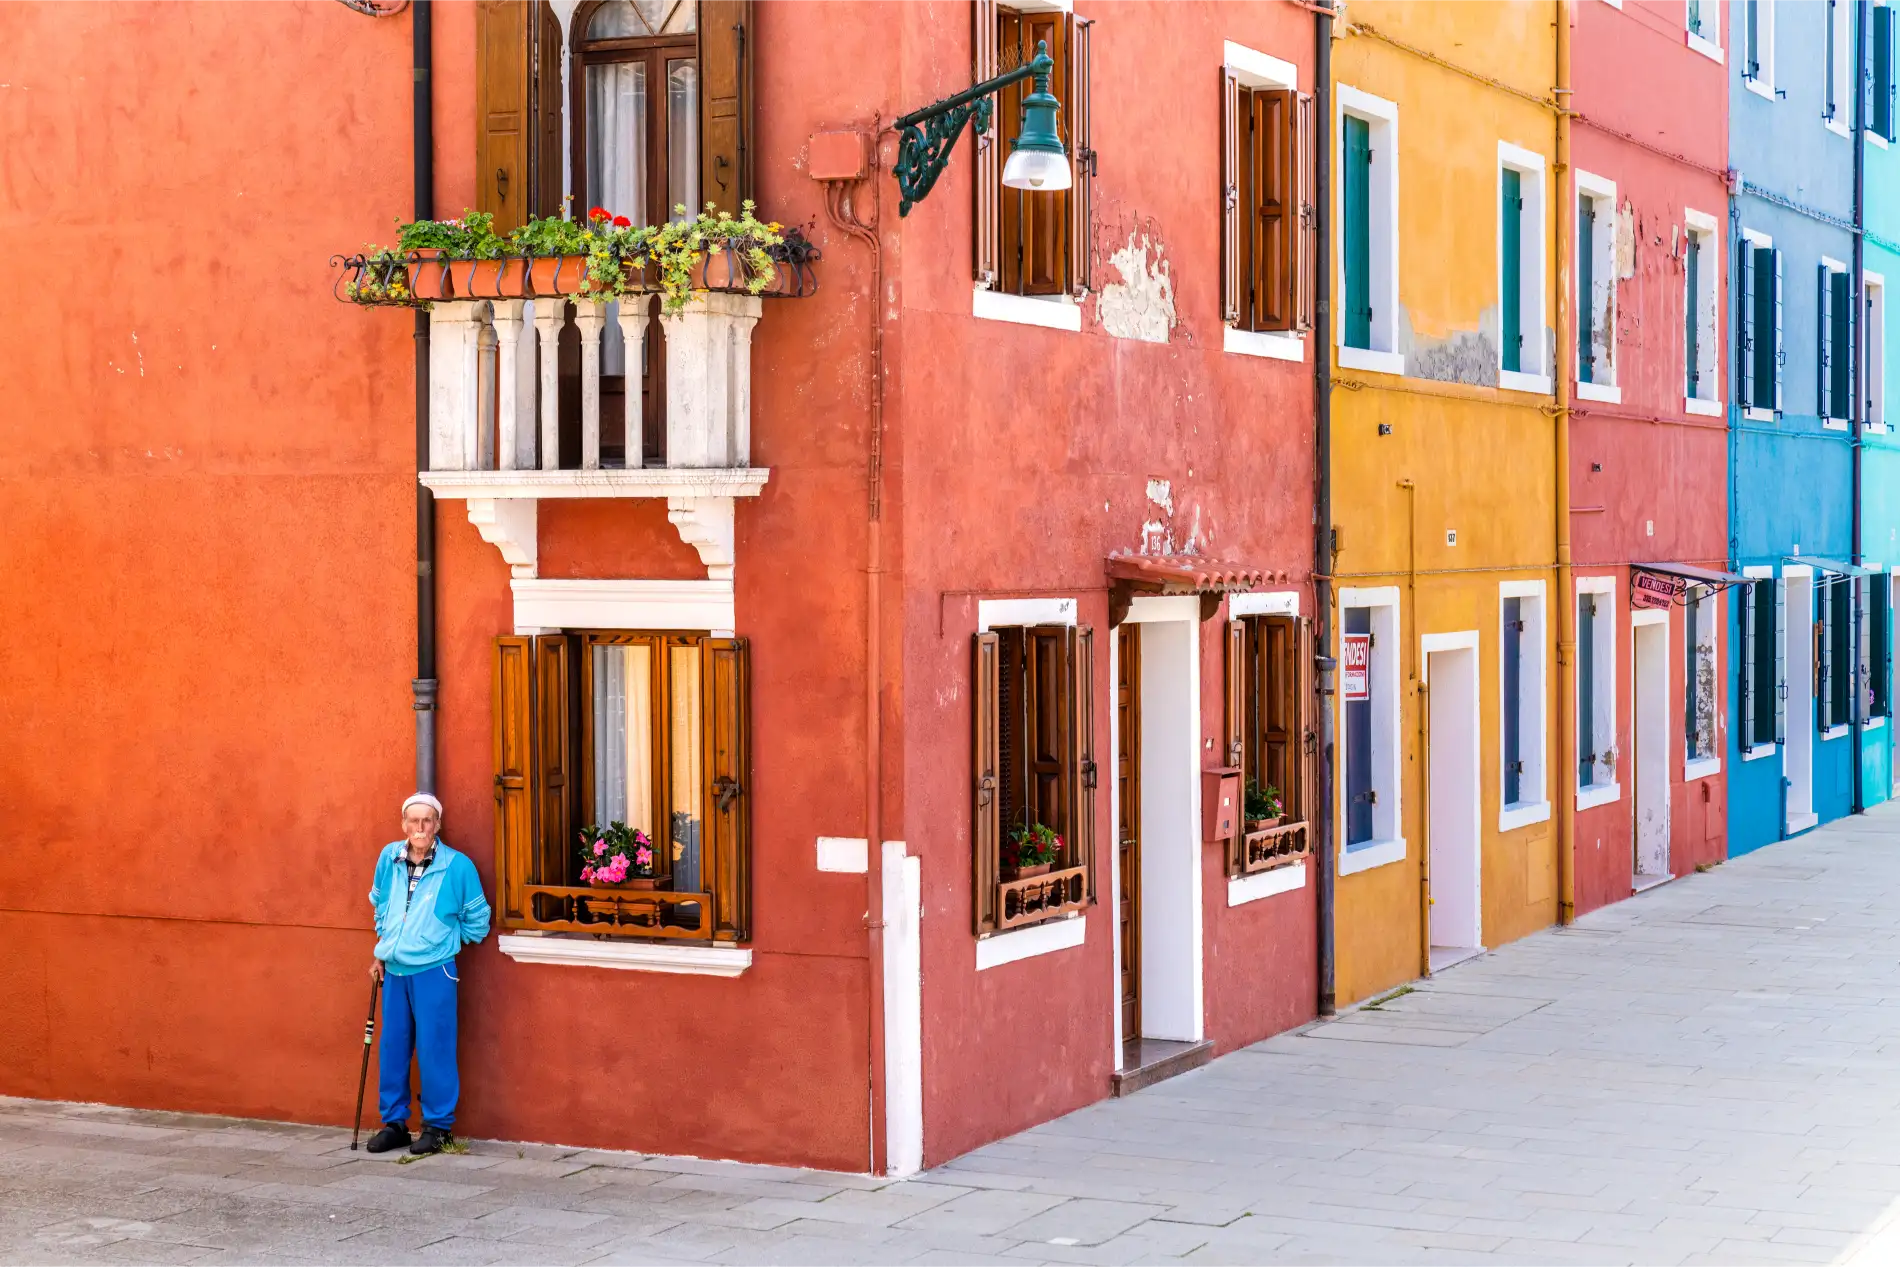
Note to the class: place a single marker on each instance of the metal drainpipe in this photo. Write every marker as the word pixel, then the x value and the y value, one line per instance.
pixel 423 687
pixel 1566 603
pixel 1854 338
pixel 1323 661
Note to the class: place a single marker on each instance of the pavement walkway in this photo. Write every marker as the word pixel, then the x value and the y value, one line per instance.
pixel 1706 1073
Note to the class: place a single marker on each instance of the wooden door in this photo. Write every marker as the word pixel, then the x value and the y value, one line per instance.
pixel 1128 800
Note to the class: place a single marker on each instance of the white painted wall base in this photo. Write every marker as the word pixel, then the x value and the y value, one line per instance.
pixel 903 1011
pixel 636 956
pixel 1026 943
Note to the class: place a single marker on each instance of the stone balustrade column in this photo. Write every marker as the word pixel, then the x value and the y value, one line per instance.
pixel 549 315
pixel 591 316
pixel 508 323
pixel 709 381
pixel 633 335
pixel 454 351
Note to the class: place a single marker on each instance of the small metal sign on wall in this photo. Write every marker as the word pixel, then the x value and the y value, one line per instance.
pixel 1653 589
pixel 1356 667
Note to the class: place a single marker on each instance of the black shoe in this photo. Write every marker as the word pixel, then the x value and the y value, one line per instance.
pixel 430 1141
pixel 393 1135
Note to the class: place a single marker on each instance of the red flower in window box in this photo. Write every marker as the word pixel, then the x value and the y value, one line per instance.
pixel 1030 851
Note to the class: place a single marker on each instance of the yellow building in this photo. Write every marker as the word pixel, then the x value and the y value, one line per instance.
pixel 1444 465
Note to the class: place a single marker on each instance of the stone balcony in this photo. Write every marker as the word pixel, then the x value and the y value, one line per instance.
pixel 501 405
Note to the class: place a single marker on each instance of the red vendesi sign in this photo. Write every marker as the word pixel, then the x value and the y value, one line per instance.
pixel 1356 667
pixel 1651 589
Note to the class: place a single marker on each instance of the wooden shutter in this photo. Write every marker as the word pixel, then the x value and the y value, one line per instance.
pixel 986 742
pixel 1780 361
pixel 1035 238
pixel 514 770
pixel 1272 163
pixel 725 684
pixel 1782 633
pixel 725 102
pixel 1301 771
pixel 545 150
pixel 1306 229
pixel 1234 715
pixel 1745 321
pixel 1749 665
pixel 1048 752
pixel 1232 99
pixel 1081 159
pixel 986 168
pixel 554 687
pixel 1280 731
pixel 1825 393
pixel 502 97
pixel 1082 825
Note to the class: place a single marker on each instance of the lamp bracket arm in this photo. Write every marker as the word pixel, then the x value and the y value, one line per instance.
pixel 926 136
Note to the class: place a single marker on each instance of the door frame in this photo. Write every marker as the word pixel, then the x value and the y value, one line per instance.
pixel 1185 609
pixel 1641 619
pixel 1800 724
pixel 1465 642
pixel 1134 911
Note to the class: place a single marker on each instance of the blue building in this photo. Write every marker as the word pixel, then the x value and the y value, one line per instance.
pixel 1880 444
pixel 1798 659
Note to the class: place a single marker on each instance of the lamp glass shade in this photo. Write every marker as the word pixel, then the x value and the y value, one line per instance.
pixel 1037 170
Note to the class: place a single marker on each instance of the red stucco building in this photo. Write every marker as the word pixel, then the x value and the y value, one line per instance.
pixel 1010 520
pixel 1649 442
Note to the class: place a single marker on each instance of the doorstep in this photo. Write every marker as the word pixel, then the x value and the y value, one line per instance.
pixel 1641 882
pixel 1147 1061
pixel 1444 957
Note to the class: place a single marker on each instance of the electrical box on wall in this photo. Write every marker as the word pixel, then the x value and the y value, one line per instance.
pixel 838 156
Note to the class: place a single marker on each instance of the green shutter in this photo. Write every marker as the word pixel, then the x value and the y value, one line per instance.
pixel 1511 224
pixel 1883 72
pixel 1586 689
pixel 1586 289
pixel 1745 322
pixel 1827 402
pixel 1841 306
pixel 1358 244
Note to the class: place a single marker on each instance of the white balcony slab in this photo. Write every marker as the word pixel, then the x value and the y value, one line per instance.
pixel 650 481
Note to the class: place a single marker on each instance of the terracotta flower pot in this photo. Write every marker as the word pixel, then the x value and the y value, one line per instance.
pixel 1025 873
pixel 429 276
pixel 491 279
pixel 1265 824
pixel 560 275
pixel 729 271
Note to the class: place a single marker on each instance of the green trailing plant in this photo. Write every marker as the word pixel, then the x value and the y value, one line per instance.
pixel 1262 801
pixel 382 280
pixel 473 237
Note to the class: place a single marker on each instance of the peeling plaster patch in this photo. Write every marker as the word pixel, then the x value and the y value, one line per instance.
pixel 1625 262
pixel 1141 305
pixel 1161 493
pixel 1466 356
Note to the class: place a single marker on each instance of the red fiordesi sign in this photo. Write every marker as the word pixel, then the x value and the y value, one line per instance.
pixel 1651 589
pixel 1357 667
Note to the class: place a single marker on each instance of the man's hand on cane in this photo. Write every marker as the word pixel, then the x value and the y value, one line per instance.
pixel 376 970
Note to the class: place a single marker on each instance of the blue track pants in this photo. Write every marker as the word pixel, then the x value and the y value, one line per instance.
pixel 419 1021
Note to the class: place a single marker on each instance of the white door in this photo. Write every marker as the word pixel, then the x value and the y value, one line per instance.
pixel 1797 632
pixel 1650 672
pixel 1456 914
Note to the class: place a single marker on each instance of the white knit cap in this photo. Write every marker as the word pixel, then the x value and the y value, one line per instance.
pixel 423 798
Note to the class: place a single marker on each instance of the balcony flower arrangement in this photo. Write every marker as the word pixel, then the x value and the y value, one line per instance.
pixel 1030 851
pixel 1263 806
pixel 617 856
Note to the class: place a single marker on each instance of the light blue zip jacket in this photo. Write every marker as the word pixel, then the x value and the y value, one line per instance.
pixel 449 911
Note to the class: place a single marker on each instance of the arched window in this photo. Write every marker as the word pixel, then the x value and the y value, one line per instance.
pixel 636 107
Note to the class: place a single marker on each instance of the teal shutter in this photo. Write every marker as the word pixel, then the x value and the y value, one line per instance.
pixel 1745 323
pixel 1824 588
pixel 1782 634
pixel 1358 244
pixel 1826 404
pixel 1746 611
pixel 1691 325
pixel 1586 689
pixel 1770 259
pixel 1586 289
pixel 1841 336
pixel 1511 226
pixel 1883 102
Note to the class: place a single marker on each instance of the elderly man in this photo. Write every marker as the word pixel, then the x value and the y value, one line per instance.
pixel 429 905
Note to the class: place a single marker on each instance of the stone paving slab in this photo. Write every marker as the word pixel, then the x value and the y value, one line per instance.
pixel 1706 1073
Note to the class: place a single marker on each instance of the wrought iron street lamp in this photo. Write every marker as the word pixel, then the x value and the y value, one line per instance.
pixel 1037 161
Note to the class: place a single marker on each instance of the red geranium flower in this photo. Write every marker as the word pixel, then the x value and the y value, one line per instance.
pixel 621 222
pixel 598 213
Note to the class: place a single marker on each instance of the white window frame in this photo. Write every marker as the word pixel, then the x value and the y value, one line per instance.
pixel 1762 85
pixel 1253 69
pixel 1707 643
pixel 1601 791
pixel 1756 751
pixel 1833 266
pixel 1873 334
pixel 1388 738
pixel 1535 374
pixel 1602 194
pixel 1756 238
pixel 1840 35
pixel 1533 687
pixel 1382 227
pixel 1709 42
pixel 1708 402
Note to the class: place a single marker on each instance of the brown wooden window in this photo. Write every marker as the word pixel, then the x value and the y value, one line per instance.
pixel 643 729
pixel 1034 764
pixel 1266 206
pixel 1268 718
pixel 1031 243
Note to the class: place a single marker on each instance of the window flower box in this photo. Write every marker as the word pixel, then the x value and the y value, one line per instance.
pixel 429 275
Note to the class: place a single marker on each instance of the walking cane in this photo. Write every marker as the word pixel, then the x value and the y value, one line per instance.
pixel 362 1079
